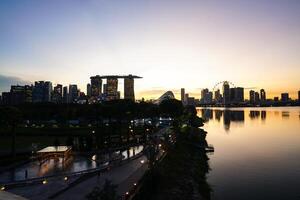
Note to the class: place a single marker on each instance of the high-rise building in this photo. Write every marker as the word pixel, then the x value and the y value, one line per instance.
pixel 218 96
pixel 65 94
pixel 203 94
pixel 262 95
pixel 96 86
pixel 186 97
pixel 28 93
pixel 112 88
pixel 6 100
pixel 284 97
pixel 299 95
pixel 42 91
pixel 232 95
pixel 239 95
pixel 129 88
pixel 206 96
pixel 252 96
pixel 57 94
pixel 226 93
pixel 256 96
pixel 88 90
pixel 17 94
pixel 73 93
pixel 182 92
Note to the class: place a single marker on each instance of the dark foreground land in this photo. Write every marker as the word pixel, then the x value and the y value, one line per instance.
pixel 182 173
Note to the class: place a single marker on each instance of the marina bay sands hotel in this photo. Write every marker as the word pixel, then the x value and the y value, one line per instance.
pixel 109 91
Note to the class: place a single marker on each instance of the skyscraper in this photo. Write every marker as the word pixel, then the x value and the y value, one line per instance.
pixel 17 94
pixel 112 88
pixel 284 97
pixel 239 95
pixel 256 96
pixel 182 92
pixel 73 93
pixel 28 93
pixel 65 95
pixel 252 96
pixel 232 95
pixel 88 90
pixel 96 86
pixel 217 96
pixel 226 93
pixel 262 95
pixel 57 94
pixel 42 91
pixel 129 88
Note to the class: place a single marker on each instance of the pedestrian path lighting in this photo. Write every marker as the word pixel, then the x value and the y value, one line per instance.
pixel 142 161
pixel 2 188
pixel 45 182
pixel 134 184
pixel 65 178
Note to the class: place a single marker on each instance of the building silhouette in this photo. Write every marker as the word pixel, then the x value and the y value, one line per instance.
pixel 65 94
pixel 262 95
pixel 226 93
pixel 88 90
pixel 299 95
pixel 73 93
pixel 42 91
pixel 18 94
pixel 57 94
pixel 252 96
pixel 284 97
pixel 218 96
pixel 112 88
pixel 96 86
pixel 182 92
pixel 128 88
pixel 206 96
pixel 256 96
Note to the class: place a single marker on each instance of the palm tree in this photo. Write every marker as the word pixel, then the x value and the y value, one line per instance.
pixel 11 117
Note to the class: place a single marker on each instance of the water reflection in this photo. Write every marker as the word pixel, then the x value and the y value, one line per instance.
pixel 58 166
pixel 263 147
pixel 236 116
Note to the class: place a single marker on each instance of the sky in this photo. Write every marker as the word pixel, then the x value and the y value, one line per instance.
pixel 170 43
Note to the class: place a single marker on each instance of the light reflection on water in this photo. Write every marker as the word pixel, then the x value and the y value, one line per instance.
pixel 256 152
pixel 57 166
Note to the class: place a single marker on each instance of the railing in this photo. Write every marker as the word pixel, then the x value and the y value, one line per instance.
pixel 41 180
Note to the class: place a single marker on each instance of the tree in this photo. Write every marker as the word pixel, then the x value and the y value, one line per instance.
pixel 171 108
pixel 11 117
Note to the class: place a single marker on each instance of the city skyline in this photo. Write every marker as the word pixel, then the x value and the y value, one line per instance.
pixel 172 44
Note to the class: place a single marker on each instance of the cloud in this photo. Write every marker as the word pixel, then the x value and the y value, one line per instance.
pixel 7 81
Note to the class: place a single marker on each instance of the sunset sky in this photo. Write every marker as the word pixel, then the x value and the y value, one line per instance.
pixel 170 43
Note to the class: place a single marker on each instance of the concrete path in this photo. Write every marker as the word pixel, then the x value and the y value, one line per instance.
pixel 134 169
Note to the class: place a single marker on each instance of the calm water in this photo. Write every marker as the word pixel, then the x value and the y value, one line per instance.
pixel 54 167
pixel 257 152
